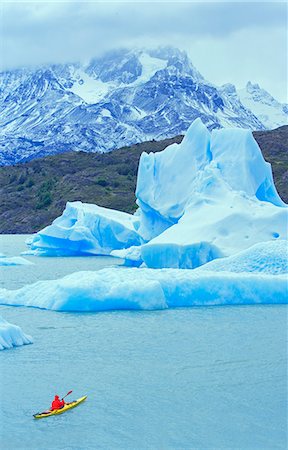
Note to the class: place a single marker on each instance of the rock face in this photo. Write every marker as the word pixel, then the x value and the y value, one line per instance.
pixel 119 99
pixel 209 197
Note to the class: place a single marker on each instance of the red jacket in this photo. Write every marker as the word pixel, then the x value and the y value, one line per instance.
pixel 57 403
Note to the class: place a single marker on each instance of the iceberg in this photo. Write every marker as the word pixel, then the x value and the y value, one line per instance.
pixel 86 229
pixel 165 180
pixel 265 257
pixel 131 255
pixel 209 197
pixel 214 229
pixel 219 192
pixel 257 275
pixel 12 335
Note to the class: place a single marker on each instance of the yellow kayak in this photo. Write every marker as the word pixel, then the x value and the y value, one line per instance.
pixel 60 411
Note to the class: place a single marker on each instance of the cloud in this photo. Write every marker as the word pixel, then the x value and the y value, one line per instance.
pixel 45 32
pixel 256 56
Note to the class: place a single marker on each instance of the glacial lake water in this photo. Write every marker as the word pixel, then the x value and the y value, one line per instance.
pixel 190 378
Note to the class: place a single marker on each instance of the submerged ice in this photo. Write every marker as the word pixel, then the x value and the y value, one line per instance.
pixel 209 197
pixel 12 335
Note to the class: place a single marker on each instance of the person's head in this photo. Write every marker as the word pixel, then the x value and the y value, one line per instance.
pixel 56 397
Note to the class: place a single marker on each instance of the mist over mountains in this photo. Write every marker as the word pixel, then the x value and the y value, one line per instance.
pixel 122 98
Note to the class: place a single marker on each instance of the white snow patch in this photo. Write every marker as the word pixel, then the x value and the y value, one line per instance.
pixel 150 66
pixel 89 89
pixel 105 113
pixel 67 129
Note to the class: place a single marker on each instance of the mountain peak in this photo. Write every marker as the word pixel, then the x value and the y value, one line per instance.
pixel 167 52
pixel 271 112
pixel 250 87
pixel 229 89
pixel 260 94
pixel 120 98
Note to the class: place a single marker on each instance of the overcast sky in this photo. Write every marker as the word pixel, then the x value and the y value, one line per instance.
pixel 227 42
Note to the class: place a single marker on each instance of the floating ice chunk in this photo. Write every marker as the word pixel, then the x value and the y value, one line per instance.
pixel 132 256
pixel 14 261
pixel 90 291
pixel 29 252
pixel 266 257
pixel 12 335
pixel 213 228
pixel 209 197
pixel 29 239
pixel 87 229
pixel 148 289
pixel 219 192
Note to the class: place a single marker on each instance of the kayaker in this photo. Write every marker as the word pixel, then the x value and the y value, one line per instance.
pixel 57 403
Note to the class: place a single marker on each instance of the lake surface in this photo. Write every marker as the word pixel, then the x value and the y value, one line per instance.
pixel 45 267
pixel 190 378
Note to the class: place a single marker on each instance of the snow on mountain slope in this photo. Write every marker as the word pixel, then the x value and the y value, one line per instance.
pixel 149 66
pixel 86 87
pixel 121 98
pixel 271 113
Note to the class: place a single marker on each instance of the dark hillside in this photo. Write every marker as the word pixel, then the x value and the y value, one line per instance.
pixel 35 193
pixel 274 146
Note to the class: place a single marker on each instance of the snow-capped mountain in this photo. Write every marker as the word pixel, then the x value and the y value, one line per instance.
pixel 121 98
pixel 270 112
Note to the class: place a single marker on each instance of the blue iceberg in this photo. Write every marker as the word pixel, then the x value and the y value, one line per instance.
pixel 254 276
pixel 265 257
pixel 210 230
pixel 209 197
pixel 214 193
pixel 85 229
pixel 12 335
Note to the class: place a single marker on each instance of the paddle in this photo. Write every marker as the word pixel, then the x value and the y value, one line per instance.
pixel 68 393
pixel 48 412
